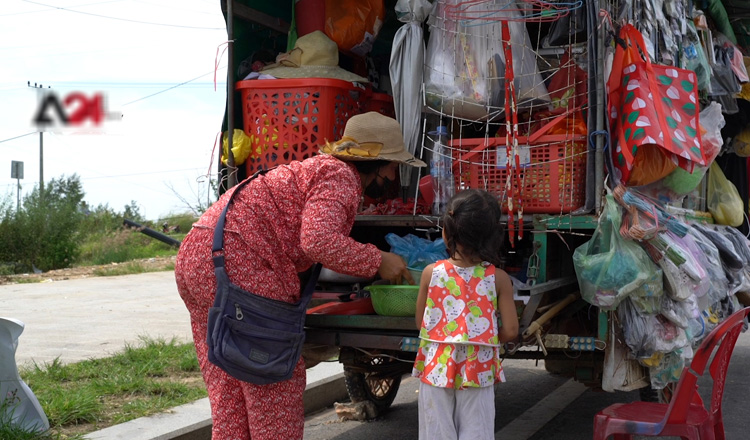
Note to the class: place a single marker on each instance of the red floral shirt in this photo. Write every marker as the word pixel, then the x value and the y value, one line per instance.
pixel 284 221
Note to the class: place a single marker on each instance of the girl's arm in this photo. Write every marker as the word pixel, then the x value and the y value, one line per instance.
pixel 508 330
pixel 424 284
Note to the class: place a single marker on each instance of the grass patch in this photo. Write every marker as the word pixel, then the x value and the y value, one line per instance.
pixel 122 245
pixel 129 268
pixel 142 380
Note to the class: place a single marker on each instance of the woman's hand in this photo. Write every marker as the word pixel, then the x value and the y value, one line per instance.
pixel 393 268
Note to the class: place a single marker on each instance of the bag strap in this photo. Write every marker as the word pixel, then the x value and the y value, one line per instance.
pixel 217 250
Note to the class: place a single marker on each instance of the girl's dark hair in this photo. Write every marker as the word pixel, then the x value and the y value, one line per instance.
pixel 369 166
pixel 472 220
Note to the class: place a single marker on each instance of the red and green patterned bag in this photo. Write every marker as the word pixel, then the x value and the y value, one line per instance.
pixel 653 114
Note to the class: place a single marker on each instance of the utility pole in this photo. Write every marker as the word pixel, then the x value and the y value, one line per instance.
pixel 41 143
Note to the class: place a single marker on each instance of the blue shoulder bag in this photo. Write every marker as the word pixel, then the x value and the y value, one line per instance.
pixel 253 338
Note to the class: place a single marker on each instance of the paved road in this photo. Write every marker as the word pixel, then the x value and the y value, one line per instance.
pixel 80 319
pixel 535 405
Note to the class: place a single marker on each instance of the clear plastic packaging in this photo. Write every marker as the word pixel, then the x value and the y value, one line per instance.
pixel 441 170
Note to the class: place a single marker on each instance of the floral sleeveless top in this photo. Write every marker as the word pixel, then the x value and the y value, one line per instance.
pixel 459 345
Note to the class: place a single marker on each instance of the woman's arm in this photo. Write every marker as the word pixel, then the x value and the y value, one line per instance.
pixel 508 330
pixel 331 204
pixel 424 284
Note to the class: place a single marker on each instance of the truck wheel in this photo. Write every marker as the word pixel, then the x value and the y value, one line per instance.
pixel 368 386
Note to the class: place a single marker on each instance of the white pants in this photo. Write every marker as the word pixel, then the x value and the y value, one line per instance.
pixel 448 414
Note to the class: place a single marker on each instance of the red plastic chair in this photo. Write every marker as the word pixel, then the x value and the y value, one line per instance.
pixel 685 415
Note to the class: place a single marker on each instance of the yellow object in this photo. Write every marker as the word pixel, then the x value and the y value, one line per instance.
pixel 241 146
pixel 349 146
pixel 745 92
pixel 741 143
pixel 724 201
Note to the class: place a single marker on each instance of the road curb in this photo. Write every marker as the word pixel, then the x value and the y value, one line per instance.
pixel 192 421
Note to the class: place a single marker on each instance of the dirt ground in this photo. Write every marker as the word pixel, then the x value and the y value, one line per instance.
pixel 149 264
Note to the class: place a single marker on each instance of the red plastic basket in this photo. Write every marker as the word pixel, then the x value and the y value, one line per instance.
pixel 288 119
pixel 552 177
pixel 382 103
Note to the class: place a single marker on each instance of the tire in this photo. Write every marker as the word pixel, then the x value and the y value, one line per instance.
pixel 361 387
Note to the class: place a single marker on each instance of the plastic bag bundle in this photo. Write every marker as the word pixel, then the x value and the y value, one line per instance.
pixel 713 265
pixel 667 367
pixel 681 313
pixel 465 64
pixel 689 252
pixel 677 284
pixel 648 297
pixel 417 252
pixel 608 267
pixel 728 254
pixel 740 254
pixel 740 242
pixel 648 334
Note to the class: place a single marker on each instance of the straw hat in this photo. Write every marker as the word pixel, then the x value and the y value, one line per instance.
pixel 314 56
pixel 372 136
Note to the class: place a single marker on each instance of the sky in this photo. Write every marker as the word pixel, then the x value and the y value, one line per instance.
pixel 153 61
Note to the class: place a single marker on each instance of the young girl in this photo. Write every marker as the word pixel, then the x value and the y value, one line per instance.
pixel 459 360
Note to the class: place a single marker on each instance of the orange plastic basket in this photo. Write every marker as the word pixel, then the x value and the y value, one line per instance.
pixel 552 173
pixel 288 119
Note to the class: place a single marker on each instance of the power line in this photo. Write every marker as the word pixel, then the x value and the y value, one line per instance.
pixel 169 88
pixel 10 139
pixel 123 19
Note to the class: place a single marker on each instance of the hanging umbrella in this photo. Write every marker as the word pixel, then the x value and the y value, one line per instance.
pixel 407 61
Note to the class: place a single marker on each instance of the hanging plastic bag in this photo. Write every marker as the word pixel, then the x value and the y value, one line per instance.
pixel 681 313
pixel 719 284
pixel 568 86
pixel 241 146
pixel 742 250
pixel 649 334
pixel 732 262
pixel 724 202
pixel 620 371
pixel 724 83
pixel 681 182
pixel 695 58
pixel 417 252
pixel 736 62
pixel 684 276
pixel 666 368
pixel 608 267
pixel 354 24
pixel 465 64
